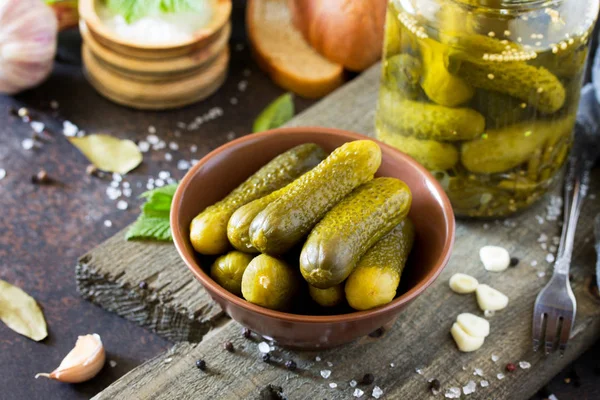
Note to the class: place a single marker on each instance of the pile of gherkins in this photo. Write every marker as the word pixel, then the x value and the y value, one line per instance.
pixel 309 225
pixel 491 115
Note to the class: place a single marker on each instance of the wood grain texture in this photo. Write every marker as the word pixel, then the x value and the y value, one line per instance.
pixel 420 337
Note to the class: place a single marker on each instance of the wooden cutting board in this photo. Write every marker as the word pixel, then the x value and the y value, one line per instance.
pixel 418 347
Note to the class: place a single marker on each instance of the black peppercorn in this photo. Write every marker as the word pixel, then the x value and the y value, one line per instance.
pixel 291 365
pixel 435 385
pixel 91 169
pixel 41 177
pixel 266 357
pixel 247 333
pixel 368 379
pixel 201 364
pixel 228 346
pixel 514 261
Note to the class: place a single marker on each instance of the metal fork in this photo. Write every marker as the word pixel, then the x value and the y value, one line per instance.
pixel 555 306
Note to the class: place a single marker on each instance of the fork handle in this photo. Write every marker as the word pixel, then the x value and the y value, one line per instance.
pixel 576 187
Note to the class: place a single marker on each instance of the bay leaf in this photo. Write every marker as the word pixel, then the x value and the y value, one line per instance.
pixel 280 111
pixel 109 153
pixel 21 313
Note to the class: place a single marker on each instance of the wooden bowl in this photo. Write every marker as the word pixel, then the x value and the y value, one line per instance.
pixel 213 177
pixel 167 67
pixel 150 92
pixel 201 38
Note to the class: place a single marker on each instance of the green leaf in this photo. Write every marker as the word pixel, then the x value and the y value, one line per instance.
pixel 21 313
pixel 276 114
pixel 149 228
pixel 133 10
pixel 153 222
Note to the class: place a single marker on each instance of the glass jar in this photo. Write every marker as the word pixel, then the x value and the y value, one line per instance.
pixel 484 94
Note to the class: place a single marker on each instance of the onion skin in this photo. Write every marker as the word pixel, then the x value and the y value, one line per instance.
pixel 28 30
pixel 348 32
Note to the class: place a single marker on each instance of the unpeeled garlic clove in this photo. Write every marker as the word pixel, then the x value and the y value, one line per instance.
pixel 463 283
pixel 473 325
pixel 494 258
pixel 465 342
pixel 82 363
pixel 491 299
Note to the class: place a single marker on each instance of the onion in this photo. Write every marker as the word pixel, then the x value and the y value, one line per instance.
pixel 348 32
pixel 28 30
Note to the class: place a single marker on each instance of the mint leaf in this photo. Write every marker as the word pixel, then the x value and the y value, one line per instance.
pixel 150 228
pixel 276 114
pixel 153 222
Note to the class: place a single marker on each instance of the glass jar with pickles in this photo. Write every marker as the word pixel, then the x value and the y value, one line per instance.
pixel 484 94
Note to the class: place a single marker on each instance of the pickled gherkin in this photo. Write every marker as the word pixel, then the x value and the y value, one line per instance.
pixel 429 121
pixel 500 83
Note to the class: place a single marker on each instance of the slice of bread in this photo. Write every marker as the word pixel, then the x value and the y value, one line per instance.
pixel 284 54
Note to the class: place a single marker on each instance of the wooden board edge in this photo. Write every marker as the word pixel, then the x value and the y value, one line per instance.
pixel 140 306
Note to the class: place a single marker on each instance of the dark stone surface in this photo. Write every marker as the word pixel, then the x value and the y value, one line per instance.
pixel 44 229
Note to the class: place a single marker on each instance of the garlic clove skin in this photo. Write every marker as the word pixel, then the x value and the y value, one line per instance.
pixel 82 363
pixel 463 283
pixel 28 32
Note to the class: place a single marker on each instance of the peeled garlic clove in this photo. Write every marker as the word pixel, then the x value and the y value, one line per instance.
pixel 491 299
pixel 463 283
pixel 465 342
pixel 473 325
pixel 494 258
pixel 82 363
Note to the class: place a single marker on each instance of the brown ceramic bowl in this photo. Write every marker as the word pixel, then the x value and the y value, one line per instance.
pixel 222 170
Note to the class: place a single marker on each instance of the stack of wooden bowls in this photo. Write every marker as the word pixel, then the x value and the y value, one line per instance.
pixel 155 77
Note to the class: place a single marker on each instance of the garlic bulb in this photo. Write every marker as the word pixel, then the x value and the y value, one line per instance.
pixel 82 363
pixel 28 30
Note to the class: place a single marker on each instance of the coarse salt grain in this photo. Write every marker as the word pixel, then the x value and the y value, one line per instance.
pixel 164 174
pixel 159 183
pixel 495 358
pixel 484 383
pixel 469 388
pixel 552 397
pixel 233 100
pixel 489 313
pixel 419 371
pixel 173 146
pixel 550 257
pixel 543 237
pixel 69 128
pixel 317 358
pixel 150 186
pixel 113 193
pixel 392 365
pixel 143 146
pixel 329 364
pixel 54 104
pixel 377 392
pixel 541 274
pixel 453 393
pixel 117 177
pixel 27 144
pixel 107 223
pixel 500 376
pixel 242 85
pixel 352 383
pixel 168 156
pixel 122 205
pixel 126 192
pixel 333 385
pixel 151 129
pixel 534 263
pixel 524 365
pixel 160 145
pixel 357 393
pixel 112 363
pixel 325 373
pixel 183 164
pixel 264 347
pixel 539 219
pixel 2 173
pixel 38 127
pixel 193 148
pixel 230 136
pixel 114 184
pixel 478 372
pixel 152 139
